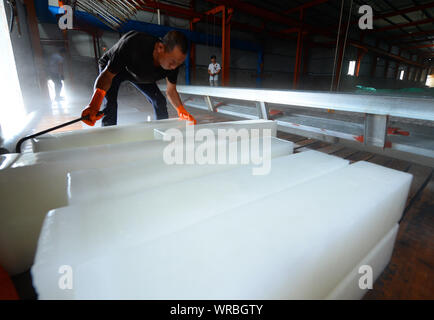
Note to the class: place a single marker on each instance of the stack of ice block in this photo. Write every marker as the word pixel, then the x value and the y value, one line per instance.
pixel 132 133
pixel 105 135
pixel 130 226
pixel 32 184
pixel 299 232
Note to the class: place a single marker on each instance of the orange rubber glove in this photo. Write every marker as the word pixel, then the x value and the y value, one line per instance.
pixel 91 112
pixel 184 115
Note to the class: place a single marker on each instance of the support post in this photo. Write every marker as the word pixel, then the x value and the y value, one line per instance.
pixel 386 67
pixel 187 64
pixel 226 44
pixel 397 66
pixel 262 110
pixel 36 45
pixel 260 69
pixel 375 130
pixel 298 54
pixel 209 103
pixel 360 54
pixel 192 54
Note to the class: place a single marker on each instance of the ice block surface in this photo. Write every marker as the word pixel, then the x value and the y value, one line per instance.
pixel 296 242
pixel 228 127
pixel 104 135
pixel 41 180
pixel 377 259
pixel 115 181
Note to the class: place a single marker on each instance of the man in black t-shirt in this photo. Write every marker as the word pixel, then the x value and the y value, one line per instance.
pixel 142 60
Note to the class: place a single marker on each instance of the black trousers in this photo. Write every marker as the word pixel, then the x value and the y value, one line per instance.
pixel 149 90
pixel 57 80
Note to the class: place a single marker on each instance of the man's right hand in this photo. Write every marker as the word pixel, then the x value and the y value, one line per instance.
pixel 91 114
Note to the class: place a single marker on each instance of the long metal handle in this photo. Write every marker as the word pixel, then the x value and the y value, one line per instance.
pixel 22 140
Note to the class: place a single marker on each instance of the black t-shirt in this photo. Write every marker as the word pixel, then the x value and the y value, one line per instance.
pixel 133 55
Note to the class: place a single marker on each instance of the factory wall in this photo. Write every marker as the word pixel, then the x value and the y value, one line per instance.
pixel 23 52
pixel 279 59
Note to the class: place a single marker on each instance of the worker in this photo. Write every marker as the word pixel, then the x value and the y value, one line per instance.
pixel 55 71
pixel 141 59
pixel 213 71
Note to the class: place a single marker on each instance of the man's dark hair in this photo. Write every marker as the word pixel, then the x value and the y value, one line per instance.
pixel 175 38
pixel 213 57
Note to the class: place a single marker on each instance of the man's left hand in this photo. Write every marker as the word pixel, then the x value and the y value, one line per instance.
pixel 184 115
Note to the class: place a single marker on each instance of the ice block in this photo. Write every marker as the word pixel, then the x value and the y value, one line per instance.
pixel 102 135
pixel 377 259
pixel 101 183
pixel 156 212
pixel 248 125
pixel 297 243
pixel 37 182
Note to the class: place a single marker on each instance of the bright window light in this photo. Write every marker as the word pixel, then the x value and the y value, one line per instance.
pixel 401 75
pixel 430 81
pixel 352 68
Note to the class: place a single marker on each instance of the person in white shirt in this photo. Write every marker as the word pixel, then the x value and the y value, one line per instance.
pixel 213 71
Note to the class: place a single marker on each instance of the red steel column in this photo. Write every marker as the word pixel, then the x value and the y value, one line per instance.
pixel 397 66
pixel 339 65
pixel 360 55
pixel 386 67
pixel 193 54
pixel 226 45
pixel 36 45
pixel 307 49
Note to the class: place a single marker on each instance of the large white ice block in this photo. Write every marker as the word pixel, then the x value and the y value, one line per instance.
pixel 102 135
pixel 37 183
pixel 156 212
pixel 97 184
pixel 296 243
pixel 377 259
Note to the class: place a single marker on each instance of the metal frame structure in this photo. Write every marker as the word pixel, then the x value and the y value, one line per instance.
pixel 297 25
pixel 376 110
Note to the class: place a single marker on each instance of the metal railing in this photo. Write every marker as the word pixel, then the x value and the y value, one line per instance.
pixel 374 110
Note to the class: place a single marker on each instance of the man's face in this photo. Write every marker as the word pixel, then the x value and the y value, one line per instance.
pixel 171 60
pixel 213 61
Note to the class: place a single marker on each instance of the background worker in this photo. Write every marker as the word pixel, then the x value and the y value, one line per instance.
pixel 141 59
pixel 213 71
pixel 55 71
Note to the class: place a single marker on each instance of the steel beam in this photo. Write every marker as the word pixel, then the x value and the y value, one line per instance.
pixel 385 53
pixel 415 34
pixel 403 25
pixel 405 107
pixel 305 6
pixel 269 15
pixel 404 11
pixel 420 47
